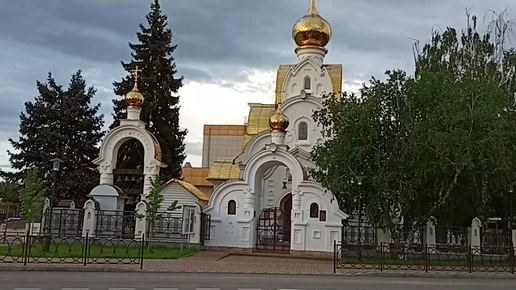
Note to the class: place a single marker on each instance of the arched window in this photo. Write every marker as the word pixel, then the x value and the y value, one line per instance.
pixel 303 131
pixel 231 207
pixel 307 83
pixel 314 210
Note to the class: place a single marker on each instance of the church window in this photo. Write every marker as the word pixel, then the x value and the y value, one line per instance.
pixel 314 210
pixel 307 84
pixel 231 207
pixel 303 131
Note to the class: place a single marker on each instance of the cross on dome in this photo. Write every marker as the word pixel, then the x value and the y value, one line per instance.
pixel 136 73
pixel 134 99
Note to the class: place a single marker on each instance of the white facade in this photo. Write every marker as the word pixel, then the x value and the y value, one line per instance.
pixel 309 75
pixel 275 200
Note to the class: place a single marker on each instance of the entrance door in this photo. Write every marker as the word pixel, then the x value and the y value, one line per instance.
pixel 274 227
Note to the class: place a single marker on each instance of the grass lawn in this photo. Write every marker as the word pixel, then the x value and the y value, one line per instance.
pixel 96 251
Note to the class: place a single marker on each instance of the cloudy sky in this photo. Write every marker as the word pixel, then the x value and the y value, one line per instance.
pixel 228 50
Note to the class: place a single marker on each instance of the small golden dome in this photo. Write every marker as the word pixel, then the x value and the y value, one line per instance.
pixel 312 29
pixel 278 121
pixel 134 99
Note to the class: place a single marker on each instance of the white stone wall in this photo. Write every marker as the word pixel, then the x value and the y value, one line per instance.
pixel 317 235
pixel 226 230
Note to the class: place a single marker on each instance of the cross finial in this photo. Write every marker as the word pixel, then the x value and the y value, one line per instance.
pixel 312 7
pixel 136 73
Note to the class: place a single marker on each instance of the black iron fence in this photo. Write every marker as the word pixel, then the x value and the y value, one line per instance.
pixel 118 224
pixel 168 226
pixel 451 235
pixel 354 233
pixel 394 256
pixel 65 222
pixel 87 250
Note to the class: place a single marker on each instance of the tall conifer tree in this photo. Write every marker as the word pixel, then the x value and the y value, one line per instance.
pixel 60 123
pixel 159 84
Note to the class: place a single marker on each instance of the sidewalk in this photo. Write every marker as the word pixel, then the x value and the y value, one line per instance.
pixel 223 262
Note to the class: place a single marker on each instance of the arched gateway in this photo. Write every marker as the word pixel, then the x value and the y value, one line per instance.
pixel 131 184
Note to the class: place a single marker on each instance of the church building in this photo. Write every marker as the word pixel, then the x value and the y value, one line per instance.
pixel 263 198
pixel 254 184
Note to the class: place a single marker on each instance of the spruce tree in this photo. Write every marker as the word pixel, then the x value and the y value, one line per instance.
pixel 159 85
pixel 60 123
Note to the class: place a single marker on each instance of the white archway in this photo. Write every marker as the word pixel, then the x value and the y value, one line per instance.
pixel 109 153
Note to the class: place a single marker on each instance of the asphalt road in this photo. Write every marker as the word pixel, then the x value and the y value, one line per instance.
pixel 164 281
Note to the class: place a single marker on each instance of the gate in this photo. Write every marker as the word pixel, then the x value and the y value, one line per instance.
pixel 205 227
pixel 273 230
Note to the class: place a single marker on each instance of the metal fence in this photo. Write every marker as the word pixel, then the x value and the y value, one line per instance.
pixel 65 222
pixel 392 256
pixel 118 224
pixel 29 249
pixel 168 226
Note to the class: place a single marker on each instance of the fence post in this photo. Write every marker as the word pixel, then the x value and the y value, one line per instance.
pixel 470 258
pixel 381 256
pixel 427 258
pixel 511 258
pixel 334 257
pixel 86 248
pixel 141 251
pixel 26 250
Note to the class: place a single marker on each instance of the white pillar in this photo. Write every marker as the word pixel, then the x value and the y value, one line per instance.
pixel 133 113
pixel 513 235
pixel 474 233
pixel 317 54
pixel 196 237
pixel 45 212
pixel 298 238
pixel 141 221
pixel 106 178
pixel 147 183
pixel 430 232
pixel 247 220
pixel 90 218
pixel 278 138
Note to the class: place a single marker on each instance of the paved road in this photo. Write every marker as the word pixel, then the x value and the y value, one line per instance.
pixel 164 281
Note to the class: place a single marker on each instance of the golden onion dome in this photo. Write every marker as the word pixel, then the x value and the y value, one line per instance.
pixel 312 29
pixel 278 121
pixel 134 99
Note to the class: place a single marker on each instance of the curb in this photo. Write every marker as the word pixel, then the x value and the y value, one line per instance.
pixel 66 269
pixel 440 275
pixel 371 274
pixel 265 255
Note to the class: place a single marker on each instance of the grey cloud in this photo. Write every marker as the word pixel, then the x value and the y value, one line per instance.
pixel 252 34
pixel 193 148
pixel 217 40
